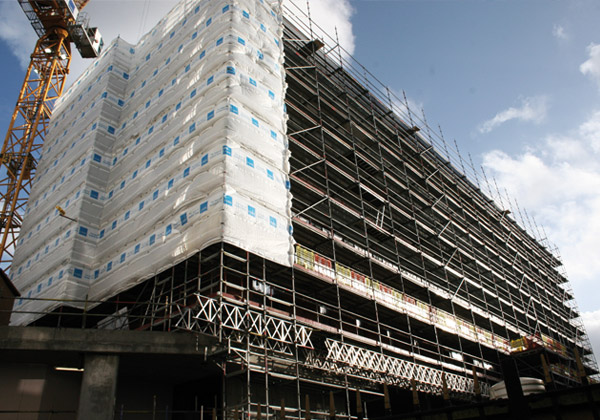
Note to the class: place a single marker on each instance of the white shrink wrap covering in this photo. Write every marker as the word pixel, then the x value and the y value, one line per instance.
pixel 159 150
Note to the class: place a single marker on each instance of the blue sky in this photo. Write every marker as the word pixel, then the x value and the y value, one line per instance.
pixel 466 60
pixel 515 82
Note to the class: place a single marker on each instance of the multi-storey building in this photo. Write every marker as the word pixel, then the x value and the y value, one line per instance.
pixel 292 210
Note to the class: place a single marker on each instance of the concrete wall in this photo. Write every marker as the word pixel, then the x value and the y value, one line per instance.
pixel 38 388
pixel 36 391
pixel 150 370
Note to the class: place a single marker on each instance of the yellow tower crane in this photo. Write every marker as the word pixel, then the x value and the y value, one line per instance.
pixel 58 23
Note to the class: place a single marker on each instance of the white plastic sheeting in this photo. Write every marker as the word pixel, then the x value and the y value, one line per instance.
pixel 159 150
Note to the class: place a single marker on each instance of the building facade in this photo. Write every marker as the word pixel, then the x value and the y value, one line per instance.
pixel 159 150
pixel 294 211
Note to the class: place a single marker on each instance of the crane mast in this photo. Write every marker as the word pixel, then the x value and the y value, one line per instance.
pixel 58 23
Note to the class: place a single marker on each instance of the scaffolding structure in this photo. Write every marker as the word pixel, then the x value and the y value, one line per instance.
pixel 377 204
pixel 405 273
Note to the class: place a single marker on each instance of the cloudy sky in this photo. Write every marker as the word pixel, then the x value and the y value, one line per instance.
pixel 515 82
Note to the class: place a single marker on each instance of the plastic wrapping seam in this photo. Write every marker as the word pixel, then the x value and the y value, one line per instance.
pixel 202 90
pixel 254 127
pixel 247 168
pixel 34 233
pixel 175 81
pixel 204 32
pixel 117 46
pixel 245 213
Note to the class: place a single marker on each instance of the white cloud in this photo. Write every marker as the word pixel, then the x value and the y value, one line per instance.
pixel 558 182
pixel 532 108
pixel 590 130
pixel 328 15
pixel 415 107
pixel 591 67
pixel 407 111
pixel 16 31
pixel 591 320
pixel 558 31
